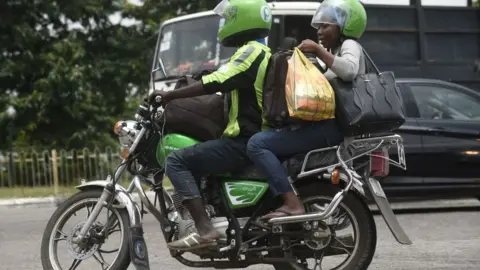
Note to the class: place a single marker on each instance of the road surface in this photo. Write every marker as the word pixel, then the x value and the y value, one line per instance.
pixel 441 240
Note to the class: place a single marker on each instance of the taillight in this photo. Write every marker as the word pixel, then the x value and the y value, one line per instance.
pixel 379 163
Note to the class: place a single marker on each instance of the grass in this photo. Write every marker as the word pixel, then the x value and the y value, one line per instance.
pixel 29 192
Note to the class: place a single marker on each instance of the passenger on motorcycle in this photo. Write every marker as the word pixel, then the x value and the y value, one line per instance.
pixel 339 24
pixel 246 23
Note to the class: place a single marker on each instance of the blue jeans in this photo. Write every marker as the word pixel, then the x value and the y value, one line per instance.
pixel 265 147
pixel 186 165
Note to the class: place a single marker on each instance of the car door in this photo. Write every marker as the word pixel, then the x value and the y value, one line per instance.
pixel 412 145
pixel 445 107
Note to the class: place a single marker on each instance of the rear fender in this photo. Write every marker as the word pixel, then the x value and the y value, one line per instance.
pixel 378 195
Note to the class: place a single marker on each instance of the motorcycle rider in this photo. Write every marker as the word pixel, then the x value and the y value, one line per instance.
pixel 339 24
pixel 246 23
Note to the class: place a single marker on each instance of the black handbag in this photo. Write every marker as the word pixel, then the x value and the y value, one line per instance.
pixel 372 103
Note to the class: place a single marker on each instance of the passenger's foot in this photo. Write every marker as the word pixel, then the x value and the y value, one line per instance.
pixel 283 212
pixel 195 241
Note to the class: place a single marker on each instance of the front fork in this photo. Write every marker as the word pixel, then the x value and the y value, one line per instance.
pixel 138 248
pixel 106 196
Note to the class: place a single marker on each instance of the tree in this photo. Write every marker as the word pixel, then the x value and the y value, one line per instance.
pixel 69 69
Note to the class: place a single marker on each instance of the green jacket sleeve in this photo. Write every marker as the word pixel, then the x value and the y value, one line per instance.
pixel 240 72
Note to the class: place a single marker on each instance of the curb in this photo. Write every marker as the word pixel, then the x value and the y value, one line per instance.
pixel 55 201
pixel 52 200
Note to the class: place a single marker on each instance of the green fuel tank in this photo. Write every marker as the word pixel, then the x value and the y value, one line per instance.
pixel 172 142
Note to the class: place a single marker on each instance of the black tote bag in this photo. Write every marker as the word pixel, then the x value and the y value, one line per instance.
pixel 372 103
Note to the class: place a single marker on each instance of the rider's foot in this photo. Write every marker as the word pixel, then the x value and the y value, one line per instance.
pixel 195 241
pixel 292 206
pixel 283 212
pixel 206 236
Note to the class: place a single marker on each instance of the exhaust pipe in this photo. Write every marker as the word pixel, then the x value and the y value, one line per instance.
pixel 313 216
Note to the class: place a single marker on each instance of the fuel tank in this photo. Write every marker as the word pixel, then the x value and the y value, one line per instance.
pixel 172 142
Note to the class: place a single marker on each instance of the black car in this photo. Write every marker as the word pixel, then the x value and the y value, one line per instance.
pixel 442 141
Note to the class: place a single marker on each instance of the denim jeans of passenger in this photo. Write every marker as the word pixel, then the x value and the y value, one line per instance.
pixel 265 147
pixel 186 165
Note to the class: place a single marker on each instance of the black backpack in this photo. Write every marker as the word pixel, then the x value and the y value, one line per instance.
pixel 203 118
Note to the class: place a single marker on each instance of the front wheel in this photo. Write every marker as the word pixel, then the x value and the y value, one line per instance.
pixel 335 240
pixel 59 252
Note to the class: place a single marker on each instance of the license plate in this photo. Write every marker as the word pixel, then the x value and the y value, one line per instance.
pixel 377 188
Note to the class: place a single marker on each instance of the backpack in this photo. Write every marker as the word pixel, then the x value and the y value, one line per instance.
pixel 274 103
pixel 203 118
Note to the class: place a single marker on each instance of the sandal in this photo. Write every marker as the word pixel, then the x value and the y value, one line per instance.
pixel 277 213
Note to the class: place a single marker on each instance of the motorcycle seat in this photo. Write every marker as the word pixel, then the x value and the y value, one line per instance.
pixel 292 164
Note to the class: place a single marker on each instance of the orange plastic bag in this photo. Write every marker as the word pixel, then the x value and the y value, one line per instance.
pixel 308 93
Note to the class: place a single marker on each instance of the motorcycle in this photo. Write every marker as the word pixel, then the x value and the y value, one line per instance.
pixel 334 183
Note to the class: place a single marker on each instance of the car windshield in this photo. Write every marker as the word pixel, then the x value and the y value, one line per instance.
pixel 190 46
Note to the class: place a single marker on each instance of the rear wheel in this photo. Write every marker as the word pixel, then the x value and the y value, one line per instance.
pixel 325 242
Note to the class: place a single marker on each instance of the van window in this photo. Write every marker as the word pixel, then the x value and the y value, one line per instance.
pixel 296 29
pixel 299 27
pixel 190 46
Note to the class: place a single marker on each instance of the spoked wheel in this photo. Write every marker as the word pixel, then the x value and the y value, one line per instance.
pixel 345 241
pixel 104 247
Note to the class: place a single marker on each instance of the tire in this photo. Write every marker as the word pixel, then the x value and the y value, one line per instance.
pixel 122 261
pixel 367 237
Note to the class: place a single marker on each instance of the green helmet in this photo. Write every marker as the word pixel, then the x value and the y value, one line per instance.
pixel 350 15
pixel 244 20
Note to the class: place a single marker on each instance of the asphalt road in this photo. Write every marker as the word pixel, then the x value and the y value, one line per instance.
pixel 441 240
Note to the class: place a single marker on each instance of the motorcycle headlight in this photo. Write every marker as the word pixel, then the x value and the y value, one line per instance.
pixel 127 132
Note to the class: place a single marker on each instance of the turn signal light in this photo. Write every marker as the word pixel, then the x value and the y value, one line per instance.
pixel 117 127
pixel 124 153
pixel 335 178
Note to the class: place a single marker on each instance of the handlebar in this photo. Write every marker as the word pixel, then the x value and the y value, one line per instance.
pixel 146 110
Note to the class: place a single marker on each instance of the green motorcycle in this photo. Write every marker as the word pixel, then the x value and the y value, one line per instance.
pixel 335 183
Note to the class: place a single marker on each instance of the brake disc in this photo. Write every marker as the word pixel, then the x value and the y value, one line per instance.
pixel 78 252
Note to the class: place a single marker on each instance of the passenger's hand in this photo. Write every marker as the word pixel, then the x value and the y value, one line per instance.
pixel 309 46
pixel 164 94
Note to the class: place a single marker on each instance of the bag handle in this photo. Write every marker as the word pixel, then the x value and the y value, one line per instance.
pixel 300 55
pixel 369 59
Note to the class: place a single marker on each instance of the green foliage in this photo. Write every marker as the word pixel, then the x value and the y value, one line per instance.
pixel 70 72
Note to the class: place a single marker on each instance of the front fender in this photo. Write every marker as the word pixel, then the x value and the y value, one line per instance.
pixel 121 195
